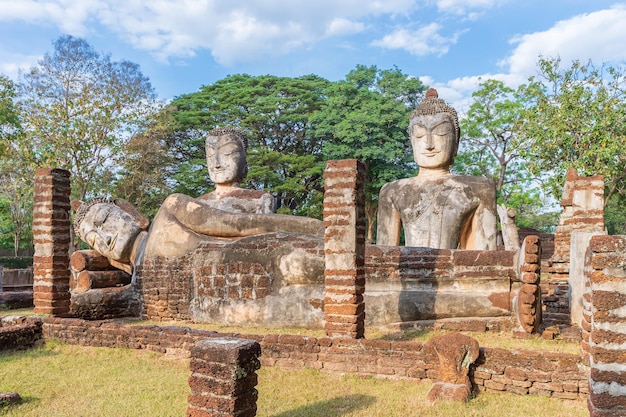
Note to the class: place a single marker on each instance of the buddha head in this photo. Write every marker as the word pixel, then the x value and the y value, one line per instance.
pixel 434 132
pixel 226 155
pixel 107 227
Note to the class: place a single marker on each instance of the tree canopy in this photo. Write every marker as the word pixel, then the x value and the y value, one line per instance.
pixel 79 107
pixel 366 117
pixel 575 118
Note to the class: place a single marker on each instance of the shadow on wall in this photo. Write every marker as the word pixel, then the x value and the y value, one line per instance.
pixel 338 406
pixel 420 287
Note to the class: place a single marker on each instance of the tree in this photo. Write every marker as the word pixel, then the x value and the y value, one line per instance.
pixel 366 117
pixel 16 172
pixel 575 118
pixel 493 146
pixel 79 108
pixel 274 112
pixel 144 178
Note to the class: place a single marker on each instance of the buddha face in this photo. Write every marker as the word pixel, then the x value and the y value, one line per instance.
pixel 110 231
pixel 434 142
pixel 226 159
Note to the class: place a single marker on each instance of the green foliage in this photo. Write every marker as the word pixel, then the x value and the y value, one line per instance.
pixel 615 215
pixel 16 172
pixel 20 262
pixel 274 112
pixel 575 118
pixel 145 171
pixel 79 108
pixel 492 144
pixel 366 117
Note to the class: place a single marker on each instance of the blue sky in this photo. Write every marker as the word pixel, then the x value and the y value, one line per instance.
pixel 450 44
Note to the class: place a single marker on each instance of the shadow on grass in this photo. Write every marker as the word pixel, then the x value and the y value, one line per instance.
pixel 331 408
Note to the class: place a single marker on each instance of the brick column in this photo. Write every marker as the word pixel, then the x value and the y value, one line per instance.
pixel 223 378
pixel 344 247
pixel 51 236
pixel 528 300
pixel 607 339
pixel 583 211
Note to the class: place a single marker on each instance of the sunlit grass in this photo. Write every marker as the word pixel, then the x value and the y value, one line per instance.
pixel 65 380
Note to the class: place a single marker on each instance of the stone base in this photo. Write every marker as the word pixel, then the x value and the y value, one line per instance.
pixel 449 392
pixel 464 324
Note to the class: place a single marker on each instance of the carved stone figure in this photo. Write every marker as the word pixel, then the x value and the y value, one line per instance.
pixel 226 161
pixel 180 225
pixel 436 208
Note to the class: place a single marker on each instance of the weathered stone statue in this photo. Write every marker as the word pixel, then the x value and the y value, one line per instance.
pixel 226 161
pixel 436 208
pixel 181 224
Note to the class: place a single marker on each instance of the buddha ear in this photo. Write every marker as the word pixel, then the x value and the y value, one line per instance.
pixel 130 209
pixel 76 204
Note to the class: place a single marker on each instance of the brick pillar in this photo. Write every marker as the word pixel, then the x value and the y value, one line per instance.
pixel 583 211
pixel 223 378
pixel 528 306
pixel 607 339
pixel 344 247
pixel 51 236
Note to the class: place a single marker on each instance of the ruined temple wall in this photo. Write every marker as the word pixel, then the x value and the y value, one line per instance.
pixel 583 211
pixel 253 281
pixel 519 372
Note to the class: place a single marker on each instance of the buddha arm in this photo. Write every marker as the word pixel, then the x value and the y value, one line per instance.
pixel 389 223
pixel 210 221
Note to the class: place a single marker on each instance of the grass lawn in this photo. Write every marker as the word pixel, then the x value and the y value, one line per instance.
pixel 65 380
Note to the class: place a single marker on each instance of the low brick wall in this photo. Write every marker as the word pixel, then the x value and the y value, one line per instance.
pixel 16 279
pixel 17 333
pixel 497 370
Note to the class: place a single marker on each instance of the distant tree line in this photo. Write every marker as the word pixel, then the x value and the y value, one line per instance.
pixel 79 110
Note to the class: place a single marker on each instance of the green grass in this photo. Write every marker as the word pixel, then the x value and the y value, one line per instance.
pixel 64 380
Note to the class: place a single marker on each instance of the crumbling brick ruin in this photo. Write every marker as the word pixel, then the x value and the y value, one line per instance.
pixel 520 372
pixel 583 214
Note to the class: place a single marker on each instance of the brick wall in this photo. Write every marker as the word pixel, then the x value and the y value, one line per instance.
pixel 17 333
pixel 51 237
pixel 604 325
pixel 496 370
pixel 16 279
pixel 583 210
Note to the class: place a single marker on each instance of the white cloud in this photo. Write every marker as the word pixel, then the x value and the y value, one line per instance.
pixel 234 31
pixel 470 7
pixel 342 26
pixel 423 41
pixel 599 36
pixel 12 64
pixel 70 16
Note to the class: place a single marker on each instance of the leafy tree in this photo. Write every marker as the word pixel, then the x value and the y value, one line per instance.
pixel 491 139
pixel 493 146
pixel 366 117
pixel 274 112
pixel 16 172
pixel 575 118
pixel 79 108
pixel 144 175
